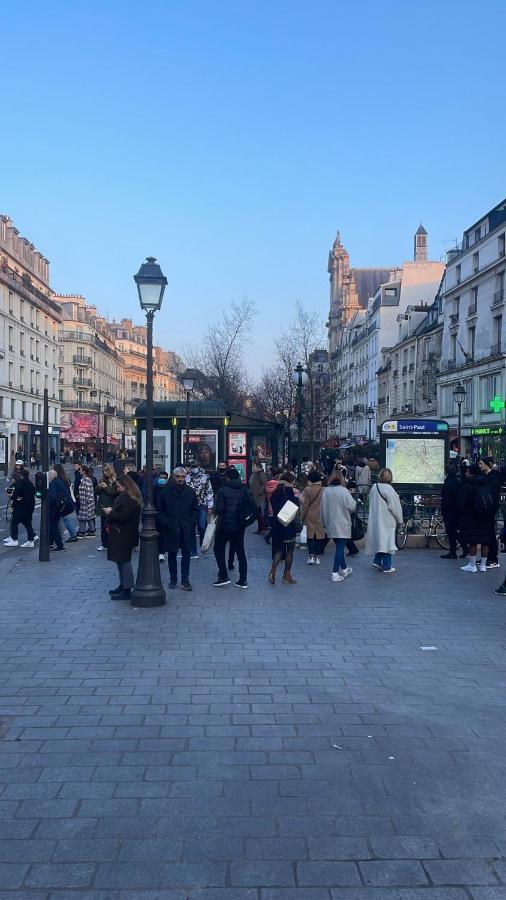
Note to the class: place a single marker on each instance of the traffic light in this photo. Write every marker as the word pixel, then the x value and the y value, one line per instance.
pixel 41 484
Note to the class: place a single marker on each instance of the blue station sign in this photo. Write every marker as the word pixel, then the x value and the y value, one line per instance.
pixel 414 426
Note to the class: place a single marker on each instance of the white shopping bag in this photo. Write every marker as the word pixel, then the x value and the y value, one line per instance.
pixel 210 532
pixel 287 513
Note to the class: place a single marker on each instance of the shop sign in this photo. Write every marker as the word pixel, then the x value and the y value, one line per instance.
pixel 487 431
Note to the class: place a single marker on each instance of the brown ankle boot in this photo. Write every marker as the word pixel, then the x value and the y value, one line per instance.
pixel 287 578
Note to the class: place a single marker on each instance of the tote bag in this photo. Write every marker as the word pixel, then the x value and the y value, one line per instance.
pixel 287 513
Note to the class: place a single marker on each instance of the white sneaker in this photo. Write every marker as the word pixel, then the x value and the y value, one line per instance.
pixel 36 538
pixel 6 540
pixel 101 548
pixel 337 577
pixel 483 567
pixel 493 565
pixel 161 556
pixel 346 572
pixel 194 556
pixel 376 566
pixel 10 543
pixel 310 561
pixel 469 568
pixel 317 560
pixel 388 571
pixel 28 544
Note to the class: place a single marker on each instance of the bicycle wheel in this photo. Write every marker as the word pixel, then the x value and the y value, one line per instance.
pixel 401 536
pixel 441 536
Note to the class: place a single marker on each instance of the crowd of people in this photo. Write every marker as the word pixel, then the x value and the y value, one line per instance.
pixel 196 509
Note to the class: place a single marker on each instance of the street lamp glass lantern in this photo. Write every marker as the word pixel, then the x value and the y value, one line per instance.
pixel 299 376
pixel 151 283
pixel 188 380
pixel 369 413
pixel 459 394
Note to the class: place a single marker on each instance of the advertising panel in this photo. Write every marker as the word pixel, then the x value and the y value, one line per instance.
pixel 78 427
pixel 240 465
pixel 161 449
pixel 203 447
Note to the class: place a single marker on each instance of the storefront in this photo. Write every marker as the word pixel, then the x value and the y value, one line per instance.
pixel 489 440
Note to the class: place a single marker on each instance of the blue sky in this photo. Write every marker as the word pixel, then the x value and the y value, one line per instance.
pixel 232 140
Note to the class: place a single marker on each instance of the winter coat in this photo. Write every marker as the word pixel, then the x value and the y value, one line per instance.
pixel 86 498
pixel 363 476
pixel 473 528
pixel 270 487
pixel 282 533
pixel 178 510
pixel 105 496
pixel 201 484
pixel 385 513
pixel 23 498
pixel 122 528
pixel 257 484
pixel 217 480
pixel 450 493
pixel 233 503
pixel 310 510
pixel 336 508
pixel 78 477
pixel 56 492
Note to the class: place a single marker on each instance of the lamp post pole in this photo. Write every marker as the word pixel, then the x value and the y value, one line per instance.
pixel 370 416
pixel 44 500
pixel 459 395
pixel 299 371
pixel 148 591
pixel 187 440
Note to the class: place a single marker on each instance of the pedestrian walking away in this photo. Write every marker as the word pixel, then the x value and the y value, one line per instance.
pixel 450 493
pixel 57 504
pixel 336 509
pixel 68 518
pixel 178 510
pixel 477 517
pixel 107 490
pixel 257 484
pixel 385 513
pixel 123 533
pixel 494 479
pixel 22 496
pixel 235 510
pixel 283 536
pixel 87 503
pixel 310 514
pixel 201 484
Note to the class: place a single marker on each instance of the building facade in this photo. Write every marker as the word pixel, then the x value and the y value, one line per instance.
pixel 29 322
pixel 473 347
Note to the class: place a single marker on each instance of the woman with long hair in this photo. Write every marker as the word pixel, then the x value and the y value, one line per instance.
pixel 107 490
pixel 310 513
pixel 123 533
pixel 69 519
pixel 283 536
pixel 86 504
pixel 385 513
pixel 337 507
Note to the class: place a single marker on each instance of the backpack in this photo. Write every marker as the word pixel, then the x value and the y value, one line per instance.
pixel 246 511
pixel 484 503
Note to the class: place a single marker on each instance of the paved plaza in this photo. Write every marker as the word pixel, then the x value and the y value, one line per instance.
pixel 321 741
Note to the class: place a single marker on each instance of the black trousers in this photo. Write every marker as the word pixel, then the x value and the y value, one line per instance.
pixel 22 520
pixel 236 539
pixel 451 531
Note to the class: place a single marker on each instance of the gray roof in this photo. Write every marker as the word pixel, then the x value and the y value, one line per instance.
pixel 368 282
pixel 420 229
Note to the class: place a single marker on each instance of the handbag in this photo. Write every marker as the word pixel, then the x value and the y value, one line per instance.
pixel 357 527
pixel 209 536
pixel 303 535
pixel 287 513
pixel 299 526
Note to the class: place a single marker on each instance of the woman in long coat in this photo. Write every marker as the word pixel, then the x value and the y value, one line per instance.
pixel 283 536
pixel 385 513
pixel 337 507
pixel 123 533
pixel 86 504
pixel 310 513
pixel 474 528
pixel 107 490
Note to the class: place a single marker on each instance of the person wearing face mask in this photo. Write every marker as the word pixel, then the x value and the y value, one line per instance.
pixel 178 510
pixel 159 483
pixel 219 478
pixel 201 484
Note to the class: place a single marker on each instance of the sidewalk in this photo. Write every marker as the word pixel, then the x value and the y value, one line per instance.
pixel 276 743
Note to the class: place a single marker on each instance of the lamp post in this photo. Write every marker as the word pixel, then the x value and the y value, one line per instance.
pixel 299 378
pixel 459 395
pixel 188 380
pixel 148 590
pixel 370 416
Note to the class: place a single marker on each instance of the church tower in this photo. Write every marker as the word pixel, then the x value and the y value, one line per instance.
pixel 420 245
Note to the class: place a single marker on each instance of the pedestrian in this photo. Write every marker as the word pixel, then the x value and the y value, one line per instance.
pixel 283 536
pixel 23 504
pixel 270 486
pixel 235 510
pixel 52 456
pixel 78 474
pixel 257 484
pixel 363 477
pixel 56 500
pixel 107 489
pixel 336 509
pixel 87 504
pixel 178 510
pixel 493 480
pixel 477 517
pixel 449 510
pixel 219 477
pixel 68 518
pixel 385 513
pixel 310 514
pixel 123 533
pixel 201 484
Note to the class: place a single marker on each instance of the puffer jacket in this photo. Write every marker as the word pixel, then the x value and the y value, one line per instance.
pixel 233 503
pixel 201 484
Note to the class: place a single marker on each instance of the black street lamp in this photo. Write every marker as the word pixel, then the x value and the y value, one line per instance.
pixel 299 378
pixel 370 416
pixel 148 590
pixel 188 380
pixel 459 395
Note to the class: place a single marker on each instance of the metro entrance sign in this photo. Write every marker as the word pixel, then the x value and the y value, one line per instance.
pixel 416 450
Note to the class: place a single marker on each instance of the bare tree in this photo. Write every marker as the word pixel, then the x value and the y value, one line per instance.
pixel 219 362
pixel 305 335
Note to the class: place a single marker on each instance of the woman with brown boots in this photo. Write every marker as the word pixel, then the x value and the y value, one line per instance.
pixel 283 536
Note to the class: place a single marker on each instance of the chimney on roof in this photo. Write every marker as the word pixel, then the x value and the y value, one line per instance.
pixel 420 244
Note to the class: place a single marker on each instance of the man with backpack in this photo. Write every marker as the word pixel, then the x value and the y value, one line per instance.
pixel 235 510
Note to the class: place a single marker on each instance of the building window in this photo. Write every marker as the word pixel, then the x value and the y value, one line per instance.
pixel 476 263
pixel 497 334
pixel 471 336
pixel 458 274
pixel 477 235
pixel 11 374
pixel 468 400
pixel 453 347
pixel 501 245
pixel 13 409
pixel 489 386
pixel 24 410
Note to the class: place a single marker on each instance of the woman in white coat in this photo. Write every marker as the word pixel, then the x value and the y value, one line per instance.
pixel 385 513
pixel 337 505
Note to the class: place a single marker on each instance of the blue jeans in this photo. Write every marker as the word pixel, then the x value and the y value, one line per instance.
pixel 201 528
pixel 339 560
pixel 70 524
pixel 384 560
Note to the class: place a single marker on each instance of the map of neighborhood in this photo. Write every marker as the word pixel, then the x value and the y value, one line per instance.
pixel 416 461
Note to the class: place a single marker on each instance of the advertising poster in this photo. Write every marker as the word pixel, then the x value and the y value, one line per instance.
pixel 237 443
pixel 261 449
pixel 203 447
pixel 240 465
pixel 78 427
pixel 161 449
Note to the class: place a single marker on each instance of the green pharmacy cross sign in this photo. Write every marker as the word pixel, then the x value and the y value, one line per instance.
pixel 496 404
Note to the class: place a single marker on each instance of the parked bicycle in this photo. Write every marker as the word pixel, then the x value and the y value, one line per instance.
pixel 421 520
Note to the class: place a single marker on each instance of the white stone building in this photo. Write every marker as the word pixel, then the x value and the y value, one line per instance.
pixel 473 351
pixel 29 319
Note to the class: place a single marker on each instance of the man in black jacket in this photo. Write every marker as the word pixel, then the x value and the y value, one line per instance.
pixel 235 509
pixel 449 510
pixel 23 505
pixel 178 511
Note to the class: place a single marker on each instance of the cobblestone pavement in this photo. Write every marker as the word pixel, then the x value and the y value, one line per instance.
pixel 276 743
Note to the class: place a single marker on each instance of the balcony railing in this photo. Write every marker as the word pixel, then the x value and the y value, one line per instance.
pixel 498 297
pixel 472 308
pixel 404 370
pixel 81 360
pixel 454 318
pixel 495 349
pixel 83 404
pixel 82 382
pixel 451 364
pixel 412 367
